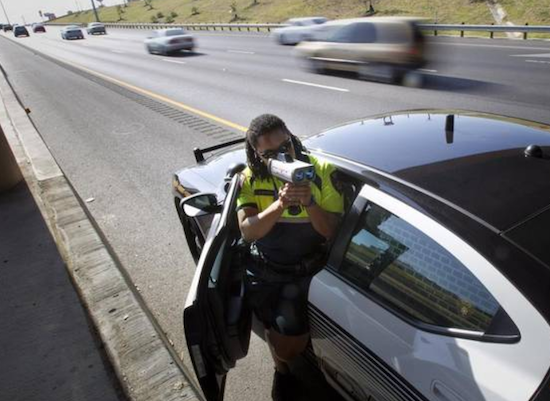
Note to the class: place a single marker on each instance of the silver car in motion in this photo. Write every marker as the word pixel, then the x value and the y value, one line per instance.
pixel 171 40
pixel 72 32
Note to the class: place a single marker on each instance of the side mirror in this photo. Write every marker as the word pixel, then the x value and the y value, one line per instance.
pixel 200 204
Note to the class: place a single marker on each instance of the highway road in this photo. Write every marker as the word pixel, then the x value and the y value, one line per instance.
pixel 120 121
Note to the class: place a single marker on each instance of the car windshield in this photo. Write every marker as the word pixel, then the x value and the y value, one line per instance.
pixel 174 32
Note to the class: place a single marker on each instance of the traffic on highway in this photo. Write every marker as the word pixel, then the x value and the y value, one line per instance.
pixel 423 135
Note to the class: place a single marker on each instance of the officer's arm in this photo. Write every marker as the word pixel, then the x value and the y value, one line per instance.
pixel 325 223
pixel 256 225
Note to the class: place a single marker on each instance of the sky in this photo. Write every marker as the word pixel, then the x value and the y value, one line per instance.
pixel 20 11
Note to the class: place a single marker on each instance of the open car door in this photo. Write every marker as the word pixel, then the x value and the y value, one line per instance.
pixel 216 320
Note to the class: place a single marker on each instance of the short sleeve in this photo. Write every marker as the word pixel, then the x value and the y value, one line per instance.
pixel 331 200
pixel 246 195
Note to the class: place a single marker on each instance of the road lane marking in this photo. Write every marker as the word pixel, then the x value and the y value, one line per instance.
pixel 482 45
pixel 426 70
pixel 240 51
pixel 174 61
pixel 118 51
pixel 542 55
pixel 537 61
pixel 316 85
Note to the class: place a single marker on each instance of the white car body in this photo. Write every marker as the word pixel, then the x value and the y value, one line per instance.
pixel 166 41
pixel 298 29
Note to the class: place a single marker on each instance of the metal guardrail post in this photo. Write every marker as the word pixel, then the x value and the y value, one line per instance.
pixel 435 30
pixel 10 175
pixel 491 33
pixel 525 33
pixel 462 32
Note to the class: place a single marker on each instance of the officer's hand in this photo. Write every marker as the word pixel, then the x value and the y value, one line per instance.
pixel 297 194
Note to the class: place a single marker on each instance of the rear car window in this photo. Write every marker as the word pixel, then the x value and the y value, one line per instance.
pixel 175 32
pixel 410 273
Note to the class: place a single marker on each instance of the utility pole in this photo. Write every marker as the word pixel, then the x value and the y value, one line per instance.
pixel 5 13
pixel 95 11
pixel 23 18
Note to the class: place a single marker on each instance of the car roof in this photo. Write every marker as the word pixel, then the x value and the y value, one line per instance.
pixel 304 19
pixel 479 167
pixel 374 20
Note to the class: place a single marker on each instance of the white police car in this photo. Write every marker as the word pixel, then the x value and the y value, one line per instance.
pixel 438 284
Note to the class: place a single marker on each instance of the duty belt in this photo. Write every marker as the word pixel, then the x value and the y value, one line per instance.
pixel 309 265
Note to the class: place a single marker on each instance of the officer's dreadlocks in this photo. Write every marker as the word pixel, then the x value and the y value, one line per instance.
pixel 261 125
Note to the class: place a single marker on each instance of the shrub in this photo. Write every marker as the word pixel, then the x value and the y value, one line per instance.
pixel 173 14
pixel 154 19
pixel 194 11
pixel 160 15
pixel 169 19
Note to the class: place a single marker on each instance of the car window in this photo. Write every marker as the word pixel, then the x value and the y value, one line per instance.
pixel 363 33
pixel 394 33
pixel 413 275
pixel 355 33
pixel 175 32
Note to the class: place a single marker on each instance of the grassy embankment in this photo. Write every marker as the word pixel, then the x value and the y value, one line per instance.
pixel 536 12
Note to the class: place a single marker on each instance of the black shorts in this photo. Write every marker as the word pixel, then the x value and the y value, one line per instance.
pixel 280 305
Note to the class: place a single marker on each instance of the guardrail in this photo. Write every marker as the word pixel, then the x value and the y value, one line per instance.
pixel 491 29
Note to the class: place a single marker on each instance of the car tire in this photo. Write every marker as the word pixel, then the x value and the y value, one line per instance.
pixel 315 66
pixel 378 72
pixel 413 79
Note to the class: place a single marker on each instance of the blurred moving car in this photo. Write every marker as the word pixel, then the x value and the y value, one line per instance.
pixel 72 32
pixel 20 30
pixel 298 29
pixel 436 284
pixel 96 28
pixel 38 28
pixel 171 40
pixel 7 28
pixel 380 48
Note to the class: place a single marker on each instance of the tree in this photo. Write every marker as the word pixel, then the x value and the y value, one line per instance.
pixel 173 14
pixel 119 11
pixel 160 15
pixel 233 11
pixel 194 11
pixel 154 19
pixel 148 4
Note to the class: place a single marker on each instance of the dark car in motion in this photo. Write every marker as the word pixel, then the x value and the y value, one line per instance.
pixel 7 28
pixel 39 28
pixel 436 286
pixel 20 30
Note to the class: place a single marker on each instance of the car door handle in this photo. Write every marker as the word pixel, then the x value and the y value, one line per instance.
pixel 444 393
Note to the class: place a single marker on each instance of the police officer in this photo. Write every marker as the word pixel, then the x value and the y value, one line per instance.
pixel 288 226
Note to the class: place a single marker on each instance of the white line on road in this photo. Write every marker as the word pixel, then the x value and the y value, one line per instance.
pixel 537 61
pixel 240 51
pixel 426 70
pixel 483 45
pixel 316 85
pixel 543 55
pixel 118 51
pixel 173 61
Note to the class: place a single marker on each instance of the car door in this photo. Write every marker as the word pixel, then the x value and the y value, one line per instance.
pixel 216 320
pixel 406 310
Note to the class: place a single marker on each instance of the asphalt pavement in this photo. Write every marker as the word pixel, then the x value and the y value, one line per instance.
pixel 48 347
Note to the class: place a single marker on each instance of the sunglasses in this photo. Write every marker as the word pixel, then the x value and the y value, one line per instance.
pixel 272 153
